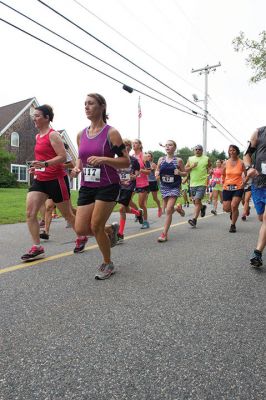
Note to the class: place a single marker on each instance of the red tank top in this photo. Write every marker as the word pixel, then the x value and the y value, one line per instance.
pixel 44 151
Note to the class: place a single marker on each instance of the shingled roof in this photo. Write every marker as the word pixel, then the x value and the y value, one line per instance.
pixel 10 112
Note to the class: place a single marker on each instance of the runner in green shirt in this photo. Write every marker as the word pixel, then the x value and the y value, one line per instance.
pixel 198 167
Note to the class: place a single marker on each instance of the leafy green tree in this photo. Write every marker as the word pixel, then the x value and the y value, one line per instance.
pixel 156 155
pixel 256 58
pixel 184 153
pixel 215 155
pixel 7 179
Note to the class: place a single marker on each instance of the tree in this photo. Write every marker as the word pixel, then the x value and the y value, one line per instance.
pixel 184 153
pixel 156 155
pixel 257 54
pixel 215 155
pixel 7 179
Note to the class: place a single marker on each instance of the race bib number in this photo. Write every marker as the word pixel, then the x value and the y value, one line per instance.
pixel 168 179
pixel 124 176
pixel 92 174
pixel 231 187
pixel 218 181
pixel 263 168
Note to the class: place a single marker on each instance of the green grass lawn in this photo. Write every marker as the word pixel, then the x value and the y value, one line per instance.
pixel 12 204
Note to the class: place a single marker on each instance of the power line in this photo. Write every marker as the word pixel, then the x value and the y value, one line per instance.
pixel 116 52
pixel 95 69
pixel 134 44
pixel 225 130
pixel 98 58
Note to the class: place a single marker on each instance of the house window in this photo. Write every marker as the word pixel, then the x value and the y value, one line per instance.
pixel 14 139
pixel 20 171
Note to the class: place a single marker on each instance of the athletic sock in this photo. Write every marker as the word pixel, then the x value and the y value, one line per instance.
pixel 122 224
pixel 134 211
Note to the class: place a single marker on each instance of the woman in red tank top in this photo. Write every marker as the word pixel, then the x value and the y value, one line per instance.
pixel 50 179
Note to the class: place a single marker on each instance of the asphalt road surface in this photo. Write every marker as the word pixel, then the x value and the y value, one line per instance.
pixel 179 320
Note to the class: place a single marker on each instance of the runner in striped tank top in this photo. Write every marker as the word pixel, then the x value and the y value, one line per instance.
pixel 170 169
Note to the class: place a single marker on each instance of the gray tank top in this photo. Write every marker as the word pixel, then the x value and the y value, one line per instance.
pixel 260 158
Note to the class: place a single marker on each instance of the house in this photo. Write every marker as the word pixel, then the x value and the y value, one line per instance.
pixel 18 131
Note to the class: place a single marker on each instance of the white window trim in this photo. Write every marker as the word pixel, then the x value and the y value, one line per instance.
pixel 13 145
pixel 19 167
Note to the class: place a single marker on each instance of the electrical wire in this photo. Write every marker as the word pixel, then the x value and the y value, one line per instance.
pixel 135 45
pixel 98 58
pixel 67 19
pixel 97 70
pixel 225 129
pixel 116 52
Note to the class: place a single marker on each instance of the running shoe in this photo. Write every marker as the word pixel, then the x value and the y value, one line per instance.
pixel 42 223
pixel 180 211
pixel 256 259
pixel 120 238
pixel 44 235
pixel 114 235
pixel 232 228
pixel 140 216
pixel 193 222
pixel 214 212
pixel 80 244
pixel 162 238
pixel 160 211
pixel 244 218
pixel 203 211
pixel 34 253
pixel 145 225
pixel 105 271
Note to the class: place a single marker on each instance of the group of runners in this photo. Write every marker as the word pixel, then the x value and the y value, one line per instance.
pixel 109 174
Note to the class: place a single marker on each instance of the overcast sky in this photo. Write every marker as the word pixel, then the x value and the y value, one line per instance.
pixel 171 38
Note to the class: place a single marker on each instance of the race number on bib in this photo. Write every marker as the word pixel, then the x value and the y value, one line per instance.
pixel 124 176
pixel 263 168
pixel 231 187
pixel 92 174
pixel 168 179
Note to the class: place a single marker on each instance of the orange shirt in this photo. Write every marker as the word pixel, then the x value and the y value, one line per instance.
pixel 233 175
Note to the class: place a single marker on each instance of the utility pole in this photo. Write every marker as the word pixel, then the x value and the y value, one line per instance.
pixel 205 71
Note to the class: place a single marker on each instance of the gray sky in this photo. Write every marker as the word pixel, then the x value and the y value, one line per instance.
pixel 171 38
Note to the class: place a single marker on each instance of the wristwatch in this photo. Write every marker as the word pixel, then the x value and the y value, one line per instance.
pixel 46 163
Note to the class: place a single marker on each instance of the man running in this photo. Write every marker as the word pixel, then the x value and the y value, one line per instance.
pixel 257 147
pixel 198 168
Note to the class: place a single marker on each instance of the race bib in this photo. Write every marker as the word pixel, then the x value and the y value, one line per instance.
pixel 231 187
pixel 168 179
pixel 124 176
pixel 263 168
pixel 92 174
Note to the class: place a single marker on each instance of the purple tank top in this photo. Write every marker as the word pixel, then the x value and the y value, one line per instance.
pixel 98 145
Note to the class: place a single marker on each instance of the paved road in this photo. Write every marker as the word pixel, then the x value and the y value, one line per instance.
pixel 179 320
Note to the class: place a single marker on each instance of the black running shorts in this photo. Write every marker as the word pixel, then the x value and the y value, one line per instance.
pixel 89 195
pixel 56 189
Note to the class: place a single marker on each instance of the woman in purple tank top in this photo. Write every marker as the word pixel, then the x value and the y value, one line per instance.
pixel 100 183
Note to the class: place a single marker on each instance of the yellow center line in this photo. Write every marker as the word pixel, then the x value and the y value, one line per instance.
pixel 88 248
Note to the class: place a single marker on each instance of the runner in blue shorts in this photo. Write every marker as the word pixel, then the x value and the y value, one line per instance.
pixel 256 152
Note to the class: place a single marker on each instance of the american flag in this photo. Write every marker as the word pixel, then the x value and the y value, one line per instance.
pixel 139 109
